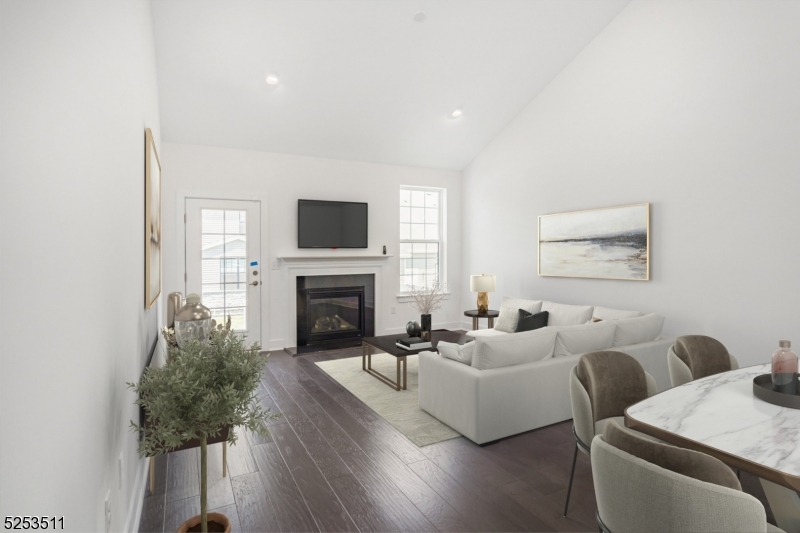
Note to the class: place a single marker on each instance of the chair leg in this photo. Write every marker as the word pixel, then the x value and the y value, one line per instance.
pixel 571 476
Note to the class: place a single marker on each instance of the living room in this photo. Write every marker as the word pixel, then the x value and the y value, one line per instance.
pixel 455 131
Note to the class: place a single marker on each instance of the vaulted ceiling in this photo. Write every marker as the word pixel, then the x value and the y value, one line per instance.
pixel 361 79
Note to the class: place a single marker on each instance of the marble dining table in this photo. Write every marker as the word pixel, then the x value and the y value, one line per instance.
pixel 719 415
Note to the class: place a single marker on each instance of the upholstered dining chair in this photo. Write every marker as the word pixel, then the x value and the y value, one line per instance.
pixel 697 356
pixel 644 485
pixel 602 385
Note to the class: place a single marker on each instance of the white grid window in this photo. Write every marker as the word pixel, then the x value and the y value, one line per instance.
pixel 224 234
pixel 421 237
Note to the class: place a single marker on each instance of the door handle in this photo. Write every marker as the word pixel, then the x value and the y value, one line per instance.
pixel 254 283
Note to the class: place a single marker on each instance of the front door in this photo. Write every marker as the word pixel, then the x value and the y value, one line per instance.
pixel 223 260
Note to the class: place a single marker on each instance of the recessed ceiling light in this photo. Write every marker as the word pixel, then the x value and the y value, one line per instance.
pixel 419 16
pixel 272 78
pixel 457 112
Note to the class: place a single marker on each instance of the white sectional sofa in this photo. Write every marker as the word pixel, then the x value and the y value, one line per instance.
pixel 507 383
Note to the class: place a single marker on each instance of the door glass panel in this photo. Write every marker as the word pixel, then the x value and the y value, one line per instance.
pixel 224 269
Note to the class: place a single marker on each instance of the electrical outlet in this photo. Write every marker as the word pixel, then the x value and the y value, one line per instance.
pixel 121 464
pixel 394 309
pixel 107 511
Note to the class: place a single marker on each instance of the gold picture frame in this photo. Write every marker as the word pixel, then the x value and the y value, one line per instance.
pixel 152 222
pixel 602 243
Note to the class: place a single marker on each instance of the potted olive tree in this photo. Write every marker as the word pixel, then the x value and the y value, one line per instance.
pixel 202 390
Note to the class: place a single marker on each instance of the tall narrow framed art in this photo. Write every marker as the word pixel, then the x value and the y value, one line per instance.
pixel 607 243
pixel 152 219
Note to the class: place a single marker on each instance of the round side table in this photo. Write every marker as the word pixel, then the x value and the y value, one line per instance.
pixel 490 314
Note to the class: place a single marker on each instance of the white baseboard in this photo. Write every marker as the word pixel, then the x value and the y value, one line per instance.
pixel 137 499
pixel 276 344
pixel 482 324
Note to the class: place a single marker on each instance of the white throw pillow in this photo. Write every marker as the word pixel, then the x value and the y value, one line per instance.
pixel 509 312
pixel 567 315
pixel 510 350
pixel 637 330
pixel 591 337
pixel 606 313
pixel 457 352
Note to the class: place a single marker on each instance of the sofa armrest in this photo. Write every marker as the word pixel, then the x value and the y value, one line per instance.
pixel 448 390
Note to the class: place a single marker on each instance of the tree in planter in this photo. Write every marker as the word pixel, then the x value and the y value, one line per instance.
pixel 201 390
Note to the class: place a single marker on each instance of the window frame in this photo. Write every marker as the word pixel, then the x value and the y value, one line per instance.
pixel 405 296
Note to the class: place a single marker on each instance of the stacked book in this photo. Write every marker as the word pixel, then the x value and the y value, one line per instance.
pixel 413 343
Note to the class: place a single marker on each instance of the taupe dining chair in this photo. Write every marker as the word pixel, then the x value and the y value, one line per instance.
pixel 602 385
pixel 697 356
pixel 687 491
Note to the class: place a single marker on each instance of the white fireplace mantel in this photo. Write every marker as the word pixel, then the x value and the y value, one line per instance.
pixel 330 265
pixel 337 259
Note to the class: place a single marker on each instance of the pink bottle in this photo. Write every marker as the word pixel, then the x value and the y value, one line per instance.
pixel 784 369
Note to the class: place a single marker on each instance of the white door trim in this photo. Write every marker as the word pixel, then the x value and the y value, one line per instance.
pixel 180 210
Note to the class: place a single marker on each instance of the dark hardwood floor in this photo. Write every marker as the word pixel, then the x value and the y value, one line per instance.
pixel 332 464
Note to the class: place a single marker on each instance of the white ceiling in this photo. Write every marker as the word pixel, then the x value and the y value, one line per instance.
pixel 359 79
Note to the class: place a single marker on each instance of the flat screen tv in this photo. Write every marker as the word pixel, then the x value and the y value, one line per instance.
pixel 322 224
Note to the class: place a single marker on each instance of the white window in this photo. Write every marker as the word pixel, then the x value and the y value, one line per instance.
pixel 422 236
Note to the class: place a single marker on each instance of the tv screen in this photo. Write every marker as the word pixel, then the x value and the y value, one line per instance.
pixel 323 224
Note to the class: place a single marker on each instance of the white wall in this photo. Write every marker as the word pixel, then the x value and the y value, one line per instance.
pixel 692 106
pixel 283 179
pixel 78 90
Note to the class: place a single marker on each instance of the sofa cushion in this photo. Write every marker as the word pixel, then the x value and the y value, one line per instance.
pixel 508 350
pixel 679 460
pixel 491 332
pixel 529 322
pixel 606 313
pixel 613 381
pixel 567 315
pixel 509 312
pixel 591 337
pixel 703 355
pixel 637 330
pixel 457 352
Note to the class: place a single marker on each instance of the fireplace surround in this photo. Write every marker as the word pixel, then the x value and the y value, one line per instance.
pixel 334 311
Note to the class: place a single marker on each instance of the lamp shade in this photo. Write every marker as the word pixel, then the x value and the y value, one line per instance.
pixel 482 282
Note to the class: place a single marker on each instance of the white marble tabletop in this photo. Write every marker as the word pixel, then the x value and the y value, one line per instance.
pixel 721 412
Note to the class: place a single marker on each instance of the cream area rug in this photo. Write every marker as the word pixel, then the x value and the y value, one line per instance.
pixel 399 408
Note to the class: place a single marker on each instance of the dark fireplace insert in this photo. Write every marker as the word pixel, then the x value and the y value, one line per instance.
pixel 332 314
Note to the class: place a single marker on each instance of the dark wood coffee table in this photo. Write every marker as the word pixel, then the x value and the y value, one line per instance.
pixel 387 344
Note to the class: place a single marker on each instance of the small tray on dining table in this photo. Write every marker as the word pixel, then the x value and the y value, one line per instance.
pixel 762 389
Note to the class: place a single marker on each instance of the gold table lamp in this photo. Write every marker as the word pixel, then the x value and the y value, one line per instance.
pixel 483 284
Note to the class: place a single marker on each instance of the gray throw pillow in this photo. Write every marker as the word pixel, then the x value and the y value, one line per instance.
pixel 679 460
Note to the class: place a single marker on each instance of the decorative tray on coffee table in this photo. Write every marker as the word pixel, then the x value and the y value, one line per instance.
pixel 762 389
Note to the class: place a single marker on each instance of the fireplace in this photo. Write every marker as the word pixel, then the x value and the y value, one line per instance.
pixel 334 311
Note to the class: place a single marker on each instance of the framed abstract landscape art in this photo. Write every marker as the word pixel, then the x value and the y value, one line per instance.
pixel 609 243
pixel 152 222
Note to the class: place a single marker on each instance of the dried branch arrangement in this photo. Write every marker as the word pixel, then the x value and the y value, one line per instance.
pixel 426 300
